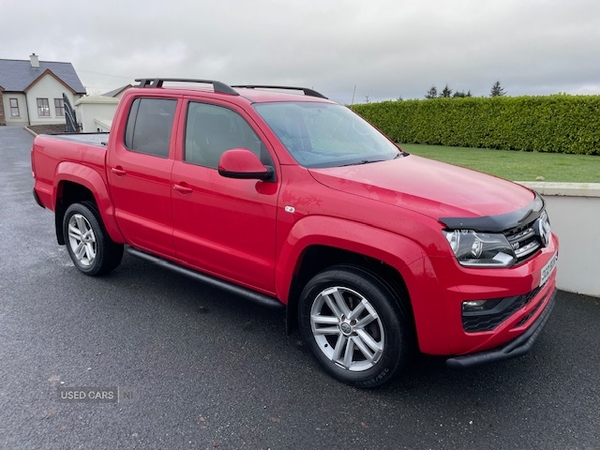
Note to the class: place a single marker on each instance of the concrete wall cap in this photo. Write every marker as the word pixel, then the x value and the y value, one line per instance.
pixel 564 189
pixel 97 99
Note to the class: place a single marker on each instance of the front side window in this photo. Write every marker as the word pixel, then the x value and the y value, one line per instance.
pixel 326 135
pixel 14 108
pixel 43 107
pixel 149 126
pixel 212 130
pixel 59 106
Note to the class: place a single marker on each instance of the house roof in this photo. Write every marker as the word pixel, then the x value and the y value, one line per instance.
pixel 17 75
pixel 117 91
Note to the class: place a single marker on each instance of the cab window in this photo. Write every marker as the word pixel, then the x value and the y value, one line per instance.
pixel 211 130
pixel 149 126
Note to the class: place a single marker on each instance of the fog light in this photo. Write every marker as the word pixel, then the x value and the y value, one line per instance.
pixel 479 305
pixel 473 305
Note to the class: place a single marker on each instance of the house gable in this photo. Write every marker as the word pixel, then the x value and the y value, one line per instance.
pixel 50 73
pixel 44 99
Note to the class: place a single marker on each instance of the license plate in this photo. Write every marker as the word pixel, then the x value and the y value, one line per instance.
pixel 548 268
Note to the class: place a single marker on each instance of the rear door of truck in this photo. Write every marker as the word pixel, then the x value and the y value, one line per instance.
pixel 139 166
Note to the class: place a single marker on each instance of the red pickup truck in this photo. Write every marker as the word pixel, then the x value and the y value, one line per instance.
pixel 294 200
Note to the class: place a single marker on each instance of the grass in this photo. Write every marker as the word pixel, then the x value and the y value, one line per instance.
pixel 515 165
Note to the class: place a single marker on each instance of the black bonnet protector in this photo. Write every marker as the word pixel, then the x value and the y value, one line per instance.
pixel 497 224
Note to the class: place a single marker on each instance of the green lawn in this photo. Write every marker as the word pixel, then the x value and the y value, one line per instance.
pixel 514 165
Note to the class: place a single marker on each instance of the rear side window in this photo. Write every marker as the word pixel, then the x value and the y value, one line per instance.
pixel 149 126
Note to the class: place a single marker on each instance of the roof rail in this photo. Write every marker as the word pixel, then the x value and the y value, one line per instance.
pixel 307 91
pixel 158 82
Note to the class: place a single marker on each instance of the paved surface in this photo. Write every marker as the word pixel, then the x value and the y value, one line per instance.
pixel 211 371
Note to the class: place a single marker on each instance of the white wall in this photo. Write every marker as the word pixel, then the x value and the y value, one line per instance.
pixel 103 125
pixel 94 113
pixel 50 88
pixel 574 210
pixel 22 120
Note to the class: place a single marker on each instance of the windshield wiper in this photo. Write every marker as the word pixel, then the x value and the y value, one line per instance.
pixel 364 161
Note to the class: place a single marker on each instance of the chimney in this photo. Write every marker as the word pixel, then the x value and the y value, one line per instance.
pixel 35 60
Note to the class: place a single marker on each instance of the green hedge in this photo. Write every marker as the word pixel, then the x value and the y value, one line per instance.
pixel 558 123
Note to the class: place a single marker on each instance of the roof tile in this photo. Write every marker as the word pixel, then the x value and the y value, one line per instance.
pixel 17 75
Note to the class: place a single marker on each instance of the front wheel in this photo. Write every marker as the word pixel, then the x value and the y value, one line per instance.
pixel 90 247
pixel 354 326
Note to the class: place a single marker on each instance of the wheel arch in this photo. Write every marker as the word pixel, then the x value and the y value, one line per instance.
pixel 317 258
pixel 77 183
pixel 386 255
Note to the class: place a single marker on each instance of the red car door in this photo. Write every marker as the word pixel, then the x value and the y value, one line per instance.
pixel 223 226
pixel 139 173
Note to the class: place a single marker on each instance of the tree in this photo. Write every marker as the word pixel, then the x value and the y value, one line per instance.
pixel 461 94
pixel 431 93
pixel 497 90
pixel 446 92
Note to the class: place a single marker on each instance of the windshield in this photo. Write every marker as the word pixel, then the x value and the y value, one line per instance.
pixel 326 135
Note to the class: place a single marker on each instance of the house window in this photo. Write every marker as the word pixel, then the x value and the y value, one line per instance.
pixel 43 107
pixel 14 107
pixel 59 106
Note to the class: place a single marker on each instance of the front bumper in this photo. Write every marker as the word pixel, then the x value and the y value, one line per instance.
pixel 517 347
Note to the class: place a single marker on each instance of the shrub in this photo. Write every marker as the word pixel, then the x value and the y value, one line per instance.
pixel 557 123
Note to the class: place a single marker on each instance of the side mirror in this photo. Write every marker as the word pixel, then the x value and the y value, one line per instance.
pixel 243 164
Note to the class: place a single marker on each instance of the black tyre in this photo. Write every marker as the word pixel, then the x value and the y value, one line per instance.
pixel 355 325
pixel 90 247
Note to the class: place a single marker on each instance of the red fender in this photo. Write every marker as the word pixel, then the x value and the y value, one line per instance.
pixel 92 180
pixel 399 252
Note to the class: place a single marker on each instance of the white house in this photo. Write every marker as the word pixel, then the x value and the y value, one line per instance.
pixel 32 91
pixel 96 112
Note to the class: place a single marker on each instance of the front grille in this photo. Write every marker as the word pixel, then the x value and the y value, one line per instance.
pixel 525 241
pixel 476 321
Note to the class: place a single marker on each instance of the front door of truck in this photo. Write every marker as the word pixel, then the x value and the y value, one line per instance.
pixel 139 173
pixel 223 226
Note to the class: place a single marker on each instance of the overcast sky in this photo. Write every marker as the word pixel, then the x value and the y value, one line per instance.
pixel 383 49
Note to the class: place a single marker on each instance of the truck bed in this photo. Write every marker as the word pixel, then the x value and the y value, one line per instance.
pixel 98 139
pixel 82 154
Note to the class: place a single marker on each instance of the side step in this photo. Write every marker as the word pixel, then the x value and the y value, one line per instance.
pixel 256 297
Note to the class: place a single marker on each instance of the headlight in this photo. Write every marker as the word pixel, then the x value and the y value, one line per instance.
pixel 475 249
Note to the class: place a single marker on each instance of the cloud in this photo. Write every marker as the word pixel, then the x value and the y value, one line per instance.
pixel 384 48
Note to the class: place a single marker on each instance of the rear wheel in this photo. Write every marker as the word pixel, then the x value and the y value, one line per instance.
pixel 90 247
pixel 354 326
